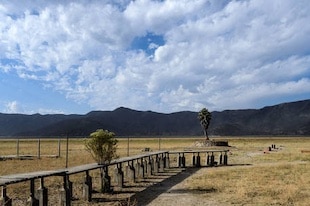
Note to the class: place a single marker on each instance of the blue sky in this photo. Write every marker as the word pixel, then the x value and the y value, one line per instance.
pixel 165 56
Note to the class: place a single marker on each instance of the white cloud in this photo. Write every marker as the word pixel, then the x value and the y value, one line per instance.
pixel 13 107
pixel 217 53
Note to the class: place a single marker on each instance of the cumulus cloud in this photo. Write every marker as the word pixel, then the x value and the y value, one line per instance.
pixel 218 54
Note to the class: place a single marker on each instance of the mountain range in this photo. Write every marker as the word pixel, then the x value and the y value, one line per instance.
pixel 292 118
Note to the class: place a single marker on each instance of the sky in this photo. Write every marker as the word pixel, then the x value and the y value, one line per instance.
pixel 73 57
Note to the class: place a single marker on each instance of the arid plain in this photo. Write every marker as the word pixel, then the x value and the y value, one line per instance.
pixel 255 175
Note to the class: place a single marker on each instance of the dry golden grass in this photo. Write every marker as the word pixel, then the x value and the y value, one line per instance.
pixel 284 184
pixel 278 177
pixel 255 177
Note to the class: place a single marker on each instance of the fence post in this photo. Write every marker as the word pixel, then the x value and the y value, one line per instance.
pixel 39 148
pixel 67 150
pixel 17 147
pixel 59 140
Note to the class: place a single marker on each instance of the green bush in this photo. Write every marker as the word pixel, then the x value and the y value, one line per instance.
pixel 102 146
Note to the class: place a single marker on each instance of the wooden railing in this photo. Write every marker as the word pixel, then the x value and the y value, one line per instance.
pixel 138 166
pixel 197 157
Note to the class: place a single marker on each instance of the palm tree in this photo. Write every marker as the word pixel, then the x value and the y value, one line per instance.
pixel 205 117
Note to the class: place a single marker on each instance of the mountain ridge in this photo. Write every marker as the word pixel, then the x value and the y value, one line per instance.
pixel 289 118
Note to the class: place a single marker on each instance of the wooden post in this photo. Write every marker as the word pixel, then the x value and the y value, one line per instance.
pixel 59 140
pixel 225 159
pixel 128 146
pixel 69 187
pixel 137 168
pixel 164 159
pixel 17 147
pixel 4 199
pixel 194 159
pixel 87 187
pixel 41 194
pixel 119 175
pixel 221 158
pixel 156 165
pixel 167 160
pixel 105 179
pixel 198 163
pixel 141 168
pixel 161 164
pixel 179 160
pixel 67 150
pixel 148 167
pixel 32 201
pixel 145 166
pixel 131 172
pixel 183 161
pixel 64 197
pixel 39 148
pixel 212 159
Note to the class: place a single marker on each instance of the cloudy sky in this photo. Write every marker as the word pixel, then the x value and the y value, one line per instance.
pixel 165 56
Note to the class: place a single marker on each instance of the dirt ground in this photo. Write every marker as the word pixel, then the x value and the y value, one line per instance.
pixel 164 189
pixel 174 191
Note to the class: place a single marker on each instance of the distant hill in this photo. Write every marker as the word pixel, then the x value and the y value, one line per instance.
pixel 284 119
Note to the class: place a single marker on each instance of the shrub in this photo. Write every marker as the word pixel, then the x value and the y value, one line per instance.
pixel 102 146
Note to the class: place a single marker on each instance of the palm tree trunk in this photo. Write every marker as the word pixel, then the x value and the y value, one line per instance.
pixel 206 135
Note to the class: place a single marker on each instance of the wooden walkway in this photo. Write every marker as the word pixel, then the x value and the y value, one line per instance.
pixel 137 166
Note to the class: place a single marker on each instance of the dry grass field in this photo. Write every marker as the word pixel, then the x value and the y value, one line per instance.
pixel 277 177
pixel 255 176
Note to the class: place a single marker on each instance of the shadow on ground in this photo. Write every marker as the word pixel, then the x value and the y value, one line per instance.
pixel 144 191
pixel 152 192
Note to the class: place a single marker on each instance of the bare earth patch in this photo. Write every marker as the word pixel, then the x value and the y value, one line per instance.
pixel 180 194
